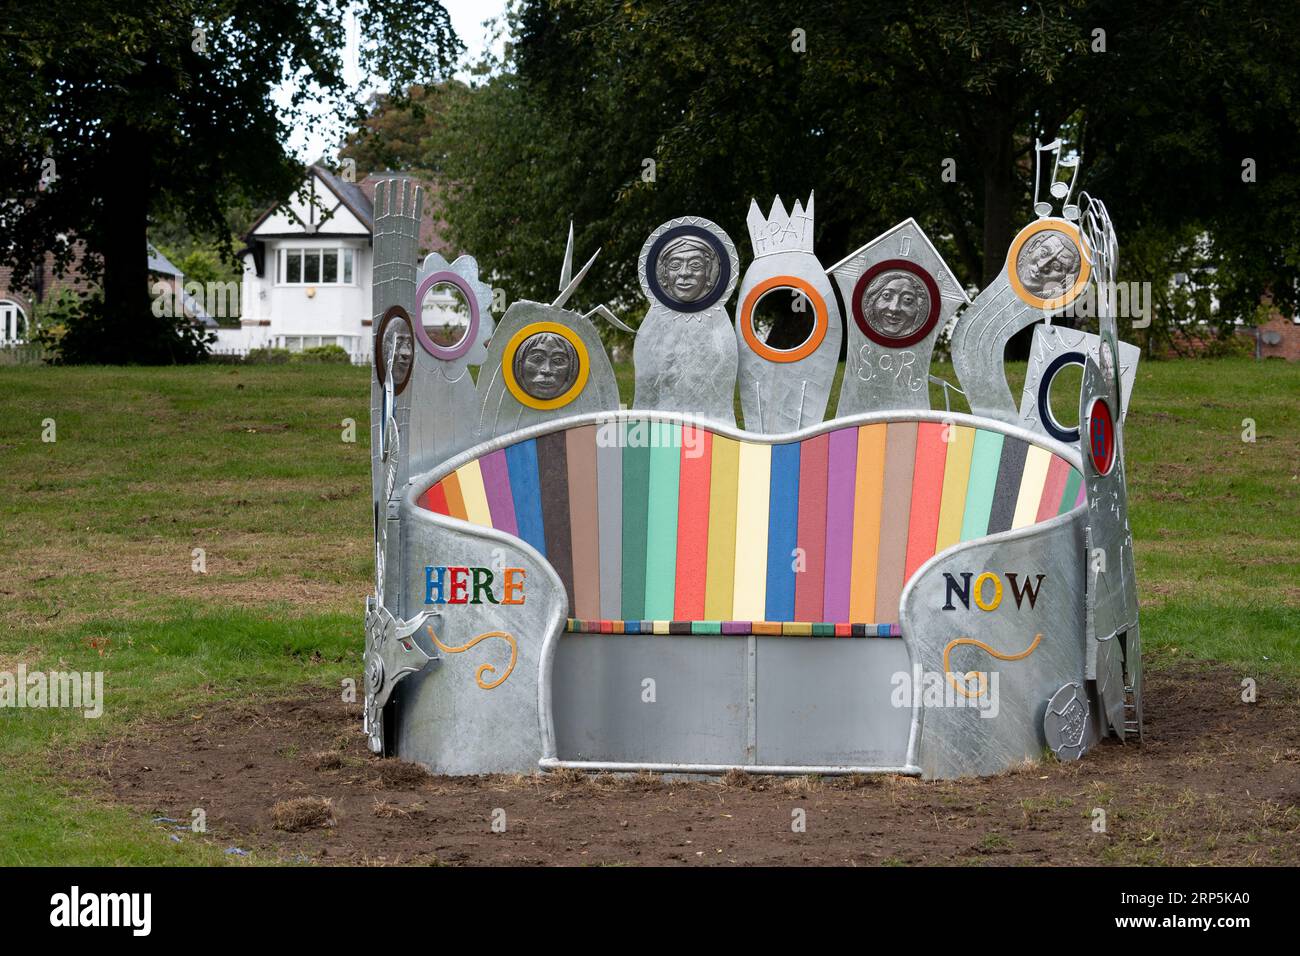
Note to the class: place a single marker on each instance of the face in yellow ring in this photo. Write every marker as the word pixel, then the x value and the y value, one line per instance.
pixel 545 365
pixel 1046 265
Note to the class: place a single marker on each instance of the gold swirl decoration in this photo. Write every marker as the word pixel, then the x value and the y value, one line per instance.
pixel 482 668
pixel 979 675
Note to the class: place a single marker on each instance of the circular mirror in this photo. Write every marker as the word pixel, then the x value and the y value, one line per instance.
pixel 445 315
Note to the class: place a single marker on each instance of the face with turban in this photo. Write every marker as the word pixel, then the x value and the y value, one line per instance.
pixel 687 269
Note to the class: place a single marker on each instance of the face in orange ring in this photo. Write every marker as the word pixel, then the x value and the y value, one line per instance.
pixel 783 355
pixel 1047 265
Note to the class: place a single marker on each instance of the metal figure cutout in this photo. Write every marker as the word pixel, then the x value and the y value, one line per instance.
pixel 784 385
pixel 685 349
pixel 1047 268
pixel 901 294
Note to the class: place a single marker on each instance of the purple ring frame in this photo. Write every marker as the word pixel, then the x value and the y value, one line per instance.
pixel 444 352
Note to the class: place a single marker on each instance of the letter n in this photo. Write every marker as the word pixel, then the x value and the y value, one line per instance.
pixel 962 590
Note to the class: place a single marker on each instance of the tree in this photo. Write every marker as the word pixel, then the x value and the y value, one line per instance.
pixel 627 114
pixel 113 111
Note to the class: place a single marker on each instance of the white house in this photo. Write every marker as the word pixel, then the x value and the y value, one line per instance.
pixel 307 270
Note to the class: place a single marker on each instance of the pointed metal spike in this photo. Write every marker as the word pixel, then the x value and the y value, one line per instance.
pixel 566 270
pixel 573 284
pixel 608 315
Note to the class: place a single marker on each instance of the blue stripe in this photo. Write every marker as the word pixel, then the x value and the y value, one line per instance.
pixel 782 531
pixel 521 461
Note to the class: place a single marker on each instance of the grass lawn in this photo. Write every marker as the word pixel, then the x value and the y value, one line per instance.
pixel 99 532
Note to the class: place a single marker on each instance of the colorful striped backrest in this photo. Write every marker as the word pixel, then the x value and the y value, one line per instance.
pixel 657 521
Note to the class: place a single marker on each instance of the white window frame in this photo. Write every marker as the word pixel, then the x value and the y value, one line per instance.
pixel 344 251
pixel 9 328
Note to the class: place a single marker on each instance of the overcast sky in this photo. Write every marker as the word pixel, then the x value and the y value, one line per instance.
pixel 311 140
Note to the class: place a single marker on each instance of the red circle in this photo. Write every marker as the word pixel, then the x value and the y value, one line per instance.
pixel 1101 436
pixel 930 287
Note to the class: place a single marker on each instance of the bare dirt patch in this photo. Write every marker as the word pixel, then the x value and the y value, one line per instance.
pixel 1217 781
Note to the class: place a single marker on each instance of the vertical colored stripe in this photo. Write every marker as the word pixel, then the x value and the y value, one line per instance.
pixel 636 487
pixel 521 459
pixel 661 520
pixel 956 474
pixel 985 455
pixel 435 499
pixel 896 509
pixel 753 487
pixel 722 529
pixel 584 527
pixel 809 583
pixel 1083 493
pixel 866 522
pixel 1058 470
pixel 1007 492
pixel 1037 460
pixel 496 483
pixel 782 532
pixel 927 495
pixel 455 503
pixel 471 490
pixel 609 469
pixel 841 486
pixel 693 523
pixel 1073 486
pixel 553 474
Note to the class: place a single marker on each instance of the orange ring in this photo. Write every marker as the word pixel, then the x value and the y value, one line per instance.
pixel 1018 243
pixel 783 355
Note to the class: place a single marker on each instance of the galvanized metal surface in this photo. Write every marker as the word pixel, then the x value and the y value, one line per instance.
pixel 1055 347
pixel 782 393
pixel 685 358
pixel 879 373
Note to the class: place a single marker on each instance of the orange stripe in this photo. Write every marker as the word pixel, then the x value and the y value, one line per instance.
pixel 455 500
pixel 927 495
pixel 866 521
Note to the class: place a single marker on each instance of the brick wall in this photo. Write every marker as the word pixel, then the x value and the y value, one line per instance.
pixel 1289 347
pixel 49 283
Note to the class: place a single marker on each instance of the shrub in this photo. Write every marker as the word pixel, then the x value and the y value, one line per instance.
pixel 328 354
pixel 268 357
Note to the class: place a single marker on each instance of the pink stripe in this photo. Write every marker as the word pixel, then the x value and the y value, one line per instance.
pixel 1057 472
pixel 496 482
pixel 1083 492
pixel 809 584
pixel 841 480
pixel 927 494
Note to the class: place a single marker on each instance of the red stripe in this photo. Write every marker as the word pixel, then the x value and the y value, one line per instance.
pixel 693 523
pixel 435 499
pixel 811 537
pixel 927 495
pixel 1057 474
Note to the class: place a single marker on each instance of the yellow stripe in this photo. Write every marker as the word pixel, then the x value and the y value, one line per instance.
pixel 754 487
pixel 722 529
pixel 472 490
pixel 866 521
pixel 799 628
pixel 956 474
pixel 1031 486
pixel 660 627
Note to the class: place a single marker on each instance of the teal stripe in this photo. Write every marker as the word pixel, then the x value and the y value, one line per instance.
pixel 706 627
pixel 636 486
pixel 1071 492
pixel 661 520
pixel 984 459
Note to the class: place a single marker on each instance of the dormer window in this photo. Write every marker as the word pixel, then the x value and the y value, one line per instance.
pixel 315 266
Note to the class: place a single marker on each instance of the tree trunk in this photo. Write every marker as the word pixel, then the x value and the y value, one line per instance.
pixel 999 192
pixel 132 332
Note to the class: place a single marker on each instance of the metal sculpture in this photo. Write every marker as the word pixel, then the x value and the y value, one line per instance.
pixel 560 583
pixel 784 386
pixel 900 294
pixel 685 350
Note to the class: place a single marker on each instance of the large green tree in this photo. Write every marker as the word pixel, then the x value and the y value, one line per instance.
pixel 867 103
pixel 114 110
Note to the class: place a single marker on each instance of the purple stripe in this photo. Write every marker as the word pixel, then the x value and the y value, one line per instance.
pixel 841 480
pixel 496 482
pixel 736 627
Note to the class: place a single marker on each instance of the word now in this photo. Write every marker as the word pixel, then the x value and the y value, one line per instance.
pixel 448 584
pixel 1021 591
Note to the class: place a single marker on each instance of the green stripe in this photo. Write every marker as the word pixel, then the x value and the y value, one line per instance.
pixel 1071 492
pixel 985 456
pixel 823 629
pixel 636 486
pixel 706 627
pixel 661 519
